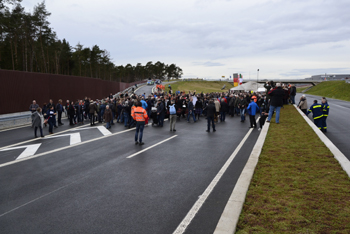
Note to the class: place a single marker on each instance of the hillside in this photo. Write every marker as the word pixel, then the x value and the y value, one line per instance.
pixel 332 89
pixel 200 86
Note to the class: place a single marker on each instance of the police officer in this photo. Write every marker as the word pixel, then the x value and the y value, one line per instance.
pixel 317 113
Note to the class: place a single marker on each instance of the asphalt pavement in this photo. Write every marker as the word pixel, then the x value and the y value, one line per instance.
pixel 87 184
pixel 338 127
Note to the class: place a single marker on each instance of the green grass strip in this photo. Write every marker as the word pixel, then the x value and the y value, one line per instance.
pixel 332 89
pixel 298 186
pixel 200 86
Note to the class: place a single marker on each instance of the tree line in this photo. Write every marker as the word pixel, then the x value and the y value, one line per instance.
pixel 28 43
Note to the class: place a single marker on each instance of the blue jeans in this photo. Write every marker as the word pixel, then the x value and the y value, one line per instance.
pixel 108 124
pixel 160 119
pixel 139 128
pixel 242 112
pixel 113 114
pixel 118 118
pixel 51 124
pixel 222 116
pixel 210 121
pixel 272 109
pixel 126 119
pixel 189 114
pixel 292 98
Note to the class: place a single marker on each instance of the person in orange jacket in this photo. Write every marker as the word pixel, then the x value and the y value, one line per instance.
pixel 139 114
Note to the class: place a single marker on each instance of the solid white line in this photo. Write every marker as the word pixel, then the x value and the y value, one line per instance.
pixel 342 159
pixel 133 155
pixel 229 218
pixel 195 208
pixel 63 148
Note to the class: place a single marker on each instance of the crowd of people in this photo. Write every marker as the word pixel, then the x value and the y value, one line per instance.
pixel 191 106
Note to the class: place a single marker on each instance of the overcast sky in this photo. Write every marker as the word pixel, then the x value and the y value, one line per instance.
pixel 213 38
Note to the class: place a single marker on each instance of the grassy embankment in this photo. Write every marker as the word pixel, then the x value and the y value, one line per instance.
pixel 332 89
pixel 298 186
pixel 200 86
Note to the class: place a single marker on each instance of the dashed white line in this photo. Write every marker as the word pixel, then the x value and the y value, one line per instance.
pixel 133 155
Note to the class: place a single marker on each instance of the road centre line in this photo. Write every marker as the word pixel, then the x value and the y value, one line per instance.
pixel 63 148
pixel 133 155
pixel 195 208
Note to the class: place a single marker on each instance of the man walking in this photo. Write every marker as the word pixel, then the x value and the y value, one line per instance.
pixel 59 109
pixel 252 108
pixel 211 111
pixel 160 113
pixel 139 115
pixel 276 102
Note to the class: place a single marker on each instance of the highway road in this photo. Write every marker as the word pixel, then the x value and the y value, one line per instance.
pixel 91 180
pixel 338 123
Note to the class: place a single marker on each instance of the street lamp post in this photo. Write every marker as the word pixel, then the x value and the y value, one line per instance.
pixel 257 78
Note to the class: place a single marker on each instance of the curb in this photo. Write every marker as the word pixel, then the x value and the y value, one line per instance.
pixel 344 162
pixel 229 218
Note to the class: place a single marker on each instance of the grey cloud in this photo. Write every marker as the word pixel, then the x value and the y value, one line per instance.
pixel 208 64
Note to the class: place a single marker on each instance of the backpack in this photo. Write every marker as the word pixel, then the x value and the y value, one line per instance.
pixel 172 109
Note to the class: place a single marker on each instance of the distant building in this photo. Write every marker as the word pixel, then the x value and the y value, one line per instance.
pixel 330 77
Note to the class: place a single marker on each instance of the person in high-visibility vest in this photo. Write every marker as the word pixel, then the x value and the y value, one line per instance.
pixel 325 112
pixel 139 114
pixel 316 110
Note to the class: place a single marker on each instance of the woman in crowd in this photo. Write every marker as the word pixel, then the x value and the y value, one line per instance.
pixel 38 122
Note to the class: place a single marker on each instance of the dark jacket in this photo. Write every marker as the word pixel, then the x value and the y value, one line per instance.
pixel 190 106
pixel 224 107
pixel 160 108
pixel 92 108
pixel 71 110
pixel 293 91
pixel 242 103
pixel 211 110
pixel 108 115
pixel 277 95
pixel 199 104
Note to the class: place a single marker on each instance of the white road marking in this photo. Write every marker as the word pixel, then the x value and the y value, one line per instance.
pixel 74 137
pixel 35 139
pixel 195 208
pixel 133 155
pixel 30 150
pixel 102 129
pixel 45 195
pixel 63 148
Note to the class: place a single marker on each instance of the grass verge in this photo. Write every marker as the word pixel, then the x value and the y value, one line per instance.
pixel 332 89
pixel 200 86
pixel 298 186
pixel 301 89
